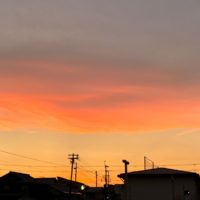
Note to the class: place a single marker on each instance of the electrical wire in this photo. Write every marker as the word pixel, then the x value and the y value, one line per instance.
pixel 26 157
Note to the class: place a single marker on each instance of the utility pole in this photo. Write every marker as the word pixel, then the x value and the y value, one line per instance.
pixel 108 177
pixel 106 174
pixel 72 158
pixel 106 181
pixel 145 167
pixel 126 163
pixel 96 173
pixel 75 168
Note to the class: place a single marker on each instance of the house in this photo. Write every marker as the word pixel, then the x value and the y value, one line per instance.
pixel 15 185
pixel 161 183
pixel 62 185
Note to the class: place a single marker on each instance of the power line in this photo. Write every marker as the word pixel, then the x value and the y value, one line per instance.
pixel 83 168
pixel 26 157
pixel 184 164
pixel 87 166
pixel 32 166
pixel 88 179
pixel 32 170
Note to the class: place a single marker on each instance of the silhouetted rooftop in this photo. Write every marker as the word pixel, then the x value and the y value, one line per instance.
pixel 21 176
pixel 61 184
pixel 159 172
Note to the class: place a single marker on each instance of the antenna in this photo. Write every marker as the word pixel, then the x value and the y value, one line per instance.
pixel 148 164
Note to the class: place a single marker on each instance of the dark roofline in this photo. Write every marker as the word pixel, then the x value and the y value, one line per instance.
pixel 21 176
pixel 58 178
pixel 159 172
pixel 19 173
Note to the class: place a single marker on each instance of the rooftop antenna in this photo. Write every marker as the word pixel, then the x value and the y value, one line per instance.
pixel 147 163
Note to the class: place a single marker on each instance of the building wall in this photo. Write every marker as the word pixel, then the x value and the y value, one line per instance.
pixel 162 188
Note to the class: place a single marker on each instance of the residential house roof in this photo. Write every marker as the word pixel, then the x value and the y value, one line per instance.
pixel 20 176
pixel 61 184
pixel 159 172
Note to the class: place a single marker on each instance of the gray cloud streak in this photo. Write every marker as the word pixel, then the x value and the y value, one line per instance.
pixel 102 31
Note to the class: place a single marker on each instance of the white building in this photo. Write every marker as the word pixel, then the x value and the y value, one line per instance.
pixel 162 184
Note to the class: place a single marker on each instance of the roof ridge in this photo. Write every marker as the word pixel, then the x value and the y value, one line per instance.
pixel 159 171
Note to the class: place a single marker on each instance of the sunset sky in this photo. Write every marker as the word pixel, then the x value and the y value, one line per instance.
pixel 107 79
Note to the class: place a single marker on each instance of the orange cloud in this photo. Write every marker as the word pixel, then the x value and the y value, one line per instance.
pixel 57 96
pixel 36 112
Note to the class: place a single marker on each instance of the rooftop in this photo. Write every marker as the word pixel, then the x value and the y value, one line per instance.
pixel 20 176
pixel 159 172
